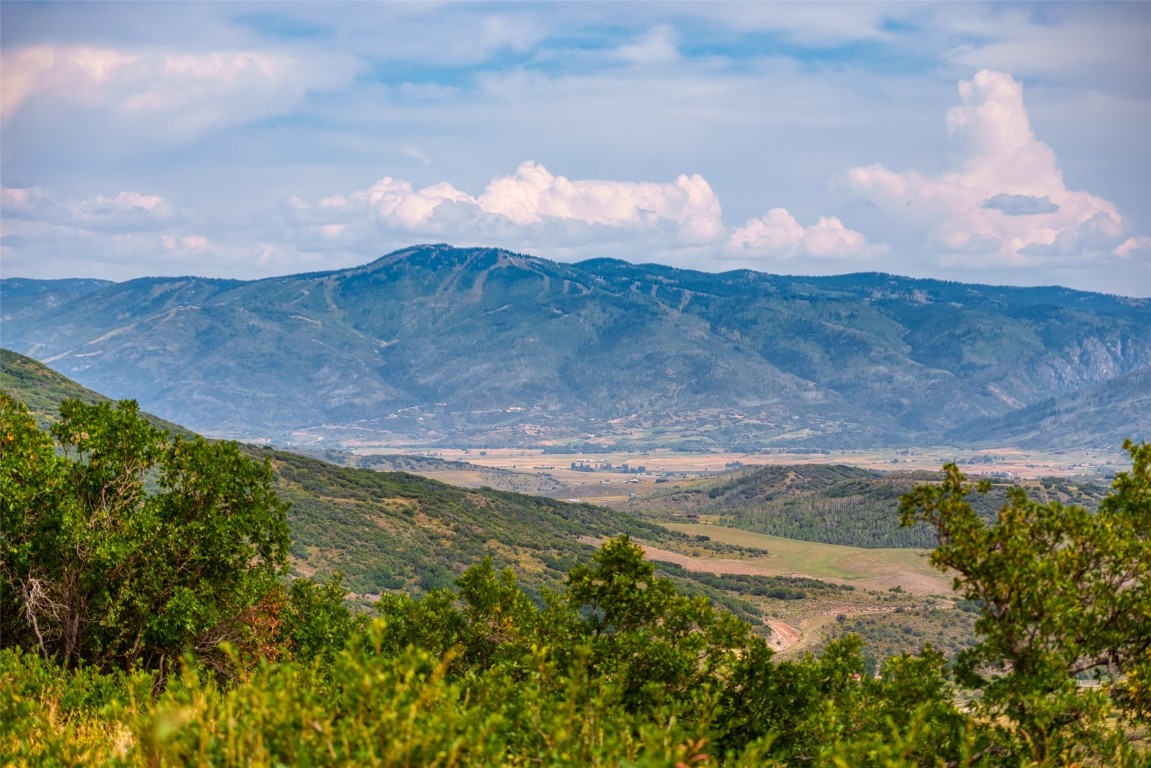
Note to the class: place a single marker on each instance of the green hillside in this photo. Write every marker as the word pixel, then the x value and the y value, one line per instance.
pixel 397 531
pixel 402 532
pixel 832 504
pixel 42 390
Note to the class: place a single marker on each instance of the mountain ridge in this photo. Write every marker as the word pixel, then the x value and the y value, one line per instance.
pixel 432 345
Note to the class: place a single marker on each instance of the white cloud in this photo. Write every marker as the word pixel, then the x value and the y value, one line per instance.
pixel 121 212
pixel 534 194
pixel 532 198
pixel 393 203
pixel 1006 203
pixel 779 235
pixel 181 94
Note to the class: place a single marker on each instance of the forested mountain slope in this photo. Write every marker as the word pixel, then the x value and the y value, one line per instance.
pixel 438 345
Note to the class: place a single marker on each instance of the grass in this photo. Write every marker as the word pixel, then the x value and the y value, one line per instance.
pixel 868 568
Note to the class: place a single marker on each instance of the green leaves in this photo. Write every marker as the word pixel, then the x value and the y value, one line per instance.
pixel 122 547
pixel 127 547
pixel 1065 597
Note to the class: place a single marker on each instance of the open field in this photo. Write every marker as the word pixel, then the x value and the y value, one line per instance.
pixel 1022 463
pixel 864 568
pixel 898 601
pixel 558 479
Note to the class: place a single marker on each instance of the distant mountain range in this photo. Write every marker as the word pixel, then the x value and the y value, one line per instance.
pixel 434 345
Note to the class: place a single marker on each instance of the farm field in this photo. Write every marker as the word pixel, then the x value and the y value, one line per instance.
pixel 892 596
pixel 556 478
pixel 1023 463
pixel 882 569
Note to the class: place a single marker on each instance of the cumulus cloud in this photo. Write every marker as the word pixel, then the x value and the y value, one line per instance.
pixel 391 202
pixel 779 235
pixel 534 193
pixel 181 93
pixel 1006 203
pixel 531 198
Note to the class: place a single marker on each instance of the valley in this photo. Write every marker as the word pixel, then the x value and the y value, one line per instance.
pixel 655 483
pixel 412 523
pixel 398 524
pixel 463 465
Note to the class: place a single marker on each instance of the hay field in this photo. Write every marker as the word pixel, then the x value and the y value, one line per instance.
pixel 878 569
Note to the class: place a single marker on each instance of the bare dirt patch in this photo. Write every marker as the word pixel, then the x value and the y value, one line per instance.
pixel 783 635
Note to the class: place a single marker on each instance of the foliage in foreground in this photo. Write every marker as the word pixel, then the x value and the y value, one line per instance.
pixel 620 668
pixel 1065 598
pixel 122 545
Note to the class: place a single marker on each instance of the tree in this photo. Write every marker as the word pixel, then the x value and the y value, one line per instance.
pixel 659 644
pixel 121 545
pixel 1065 597
pixel 485 622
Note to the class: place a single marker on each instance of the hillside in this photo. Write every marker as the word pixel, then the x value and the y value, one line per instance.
pixel 398 531
pixel 1100 416
pixel 832 504
pixel 434 345
pixel 42 390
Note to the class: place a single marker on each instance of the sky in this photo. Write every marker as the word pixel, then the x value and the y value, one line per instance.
pixel 994 143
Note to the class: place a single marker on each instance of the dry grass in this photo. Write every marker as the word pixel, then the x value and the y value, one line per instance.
pixel 864 568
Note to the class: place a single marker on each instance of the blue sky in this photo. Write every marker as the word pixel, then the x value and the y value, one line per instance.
pixel 996 143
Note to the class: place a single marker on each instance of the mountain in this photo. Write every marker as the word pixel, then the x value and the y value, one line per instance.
pixel 25 298
pixel 1100 416
pixel 435 345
